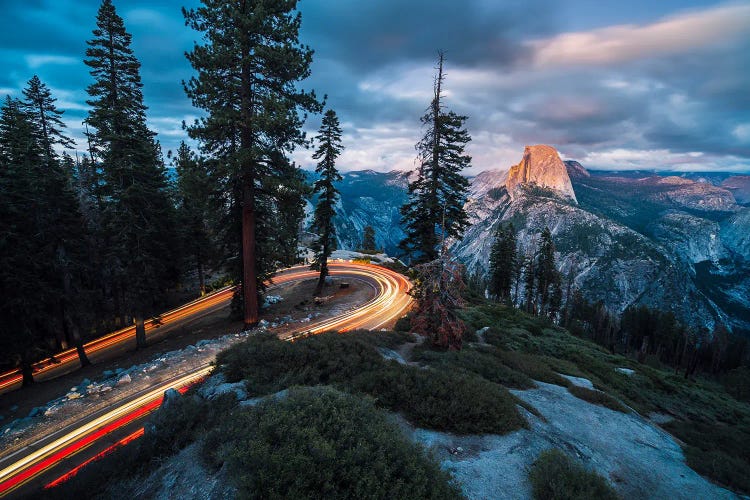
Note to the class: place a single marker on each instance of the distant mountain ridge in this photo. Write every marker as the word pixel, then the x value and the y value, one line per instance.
pixel 676 241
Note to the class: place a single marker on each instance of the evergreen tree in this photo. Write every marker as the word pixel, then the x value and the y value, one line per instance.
pixel 547 276
pixel 435 210
pixel 248 68
pixel 368 239
pixel 22 337
pixel 65 234
pixel 503 261
pixel 529 282
pixel 138 215
pixel 40 106
pixel 329 140
pixel 193 194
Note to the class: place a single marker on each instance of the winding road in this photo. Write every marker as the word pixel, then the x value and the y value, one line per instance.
pixel 61 451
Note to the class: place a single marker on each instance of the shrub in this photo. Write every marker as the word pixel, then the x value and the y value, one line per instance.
pixel 597 397
pixel 718 451
pixel 268 364
pixel 321 443
pixel 456 402
pixel 479 361
pixel 403 324
pixel 554 476
pixel 533 366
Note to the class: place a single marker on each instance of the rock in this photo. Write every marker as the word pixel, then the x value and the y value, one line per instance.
pixel 626 371
pixel 125 379
pixel 542 166
pixel 580 382
pixel 480 333
pixel 390 354
pixel 170 396
pixel 575 169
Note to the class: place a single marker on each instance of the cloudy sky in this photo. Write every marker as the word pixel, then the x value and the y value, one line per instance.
pixel 616 85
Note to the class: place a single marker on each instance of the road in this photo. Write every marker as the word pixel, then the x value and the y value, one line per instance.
pixel 52 455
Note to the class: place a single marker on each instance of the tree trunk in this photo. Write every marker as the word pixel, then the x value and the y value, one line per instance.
pixel 249 285
pixel 201 278
pixel 27 372
pixel 140 331
pixel 322 278
pixel 75 333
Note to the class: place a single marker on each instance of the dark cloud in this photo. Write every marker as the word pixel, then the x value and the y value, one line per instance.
pixel 375 59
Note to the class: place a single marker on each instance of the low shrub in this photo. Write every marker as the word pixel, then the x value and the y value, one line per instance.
pixel 457 402
pixel 479 361
pixel 533 366
pixel 720 452
pixel 321 443
pixel 597 397
pixel 554 476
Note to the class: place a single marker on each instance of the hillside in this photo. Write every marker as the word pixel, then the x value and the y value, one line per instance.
pixel 482 416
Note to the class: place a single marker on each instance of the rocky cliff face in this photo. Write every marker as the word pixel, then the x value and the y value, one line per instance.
pixel 368 198
pixel 666 242
pixel 540 166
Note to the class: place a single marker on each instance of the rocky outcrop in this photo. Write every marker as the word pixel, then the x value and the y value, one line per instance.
pixel 576 170
pixel 540 166
pixel 667 242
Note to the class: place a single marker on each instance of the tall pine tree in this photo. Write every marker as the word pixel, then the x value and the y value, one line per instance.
pixel 329 148
pixel 138 214
pixel 249 63
pixel 435 210
pixel 503 262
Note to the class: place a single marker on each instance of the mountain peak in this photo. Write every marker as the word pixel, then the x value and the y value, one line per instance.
pixel 541 165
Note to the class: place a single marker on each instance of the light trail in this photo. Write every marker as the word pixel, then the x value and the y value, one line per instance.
pixel 390 303
pixel 70 356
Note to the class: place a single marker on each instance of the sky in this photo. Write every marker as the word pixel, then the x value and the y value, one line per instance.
pixel 641 84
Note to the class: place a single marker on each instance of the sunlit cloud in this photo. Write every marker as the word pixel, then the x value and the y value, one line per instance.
pixel 683 33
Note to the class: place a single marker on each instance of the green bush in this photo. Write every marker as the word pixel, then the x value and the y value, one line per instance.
pixel 479 361
pixel 718 451
pixel 267 364
pixel 321 443
pixel 456 402
pixel 597 397
pixel 533 366
pixel 403 324
pixel 737 383
pixel 554 476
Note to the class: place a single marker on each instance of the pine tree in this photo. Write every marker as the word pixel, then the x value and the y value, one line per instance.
pixel 368 239
pixel 548 278
pixel 40 105
pixel 248 68
pixel 193 194
pixel 138 216
pixel 503 261
pixel 329 140
pixel 529 281
pixel 435 210
pixel 22 338
pixel 65 234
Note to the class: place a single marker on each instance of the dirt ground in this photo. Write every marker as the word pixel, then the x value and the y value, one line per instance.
pixel 296 304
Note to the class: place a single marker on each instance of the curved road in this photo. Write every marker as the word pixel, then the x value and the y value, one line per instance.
pixel 51 454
